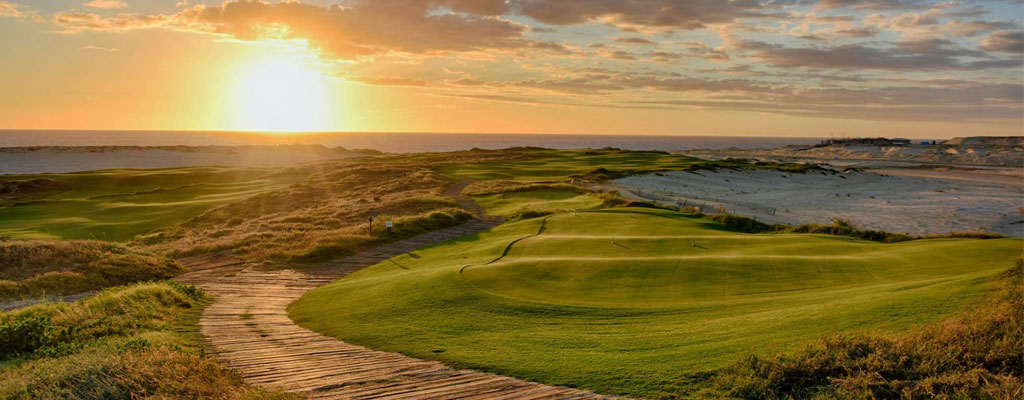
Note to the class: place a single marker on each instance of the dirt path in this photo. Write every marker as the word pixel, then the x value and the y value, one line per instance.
pixel 249 330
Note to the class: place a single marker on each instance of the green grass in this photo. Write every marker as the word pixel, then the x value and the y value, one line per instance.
pixel 642 301
pixel 137 341
pixel 322 217
pixel 976 354
pixel 510 204
pixel 560 164
pixel 601 164
pixel 37 268
pixel 117 205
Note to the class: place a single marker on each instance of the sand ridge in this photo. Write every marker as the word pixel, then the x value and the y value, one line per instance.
pixel 906 204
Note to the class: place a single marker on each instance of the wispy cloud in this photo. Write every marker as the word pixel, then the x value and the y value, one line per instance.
pixel 98 48
pixel 922 59
pixel 107 4
pixel 18 11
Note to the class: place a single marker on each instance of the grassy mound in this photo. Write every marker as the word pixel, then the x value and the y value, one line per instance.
pixel 595 165
pixel 978 354
pixel 38 268
pixel 648 309
pixel 499 187
pixel 13 192
pixel 116 205
pixel 128 342
pixel 323 216
pixel 539 201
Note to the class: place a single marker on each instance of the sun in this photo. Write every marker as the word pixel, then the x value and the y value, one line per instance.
pixel 283 96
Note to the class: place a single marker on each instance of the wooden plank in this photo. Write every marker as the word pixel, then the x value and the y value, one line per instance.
pixel 267 348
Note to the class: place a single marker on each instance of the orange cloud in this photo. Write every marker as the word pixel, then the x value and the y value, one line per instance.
pixel 14 10
pixel 73 21
pixel 107 4
pixel 366 27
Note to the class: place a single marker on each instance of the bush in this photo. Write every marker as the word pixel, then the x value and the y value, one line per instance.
pixel 612 199
pixel 128 342
pixel 404 226
pixel 529 214
pixel 24 334
pixel 844 228
pixel 744 224
pixel 497 187
pixel 432 221
pixel 121 311
pixel 839 227
pixel 645 204
pixel 36 268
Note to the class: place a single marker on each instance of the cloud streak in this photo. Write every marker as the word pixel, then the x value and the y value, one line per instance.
pixel 107 4
pixel 830 58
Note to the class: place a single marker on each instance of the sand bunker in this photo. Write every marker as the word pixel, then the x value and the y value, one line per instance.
pixel 924 204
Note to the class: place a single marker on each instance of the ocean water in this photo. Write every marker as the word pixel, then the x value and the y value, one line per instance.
pixel 388 142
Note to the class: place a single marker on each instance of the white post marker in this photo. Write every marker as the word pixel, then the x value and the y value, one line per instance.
pixel 389 225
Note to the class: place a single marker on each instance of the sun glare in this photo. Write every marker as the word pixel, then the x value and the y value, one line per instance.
pixel 283 96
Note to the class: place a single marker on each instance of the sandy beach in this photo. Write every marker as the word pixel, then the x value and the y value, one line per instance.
pixel 911 201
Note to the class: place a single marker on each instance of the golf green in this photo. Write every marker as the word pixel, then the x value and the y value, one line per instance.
pixel 636 301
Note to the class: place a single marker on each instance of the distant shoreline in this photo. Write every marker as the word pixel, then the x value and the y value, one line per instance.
pixel 389 142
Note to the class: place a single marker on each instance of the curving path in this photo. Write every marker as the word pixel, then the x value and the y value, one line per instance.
pixel 248 328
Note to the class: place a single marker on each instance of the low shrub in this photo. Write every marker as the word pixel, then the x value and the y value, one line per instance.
pixel 838 227
pixel 612 199
pixel 434 220
pixel 121 311
pixel 645 204
pixel 24 334
pixel 497 187
pixel 126 342
pixel 744 224
pixel 965 235
pixel 404 226
pixel 161 373
pixel 38 267
pixel 529 214
pixel 842 227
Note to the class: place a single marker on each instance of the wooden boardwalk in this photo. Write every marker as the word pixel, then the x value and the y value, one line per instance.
pixel 248 329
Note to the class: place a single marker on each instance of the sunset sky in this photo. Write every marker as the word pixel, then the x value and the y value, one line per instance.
pixel 912 68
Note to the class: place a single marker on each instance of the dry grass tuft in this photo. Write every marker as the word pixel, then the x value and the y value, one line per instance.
pixel 38 268
pixel 327 214
pixel 486 188
pixel 127 342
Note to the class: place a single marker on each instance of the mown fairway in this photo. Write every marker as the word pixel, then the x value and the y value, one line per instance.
pixel 116 205
pixel 558 164
pixel 637 301
pixel 507 204
pixel 546 165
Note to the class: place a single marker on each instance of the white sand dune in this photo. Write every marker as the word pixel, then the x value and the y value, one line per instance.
pixel 971 151
pixel 931 202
